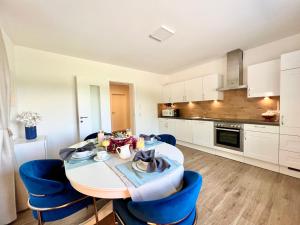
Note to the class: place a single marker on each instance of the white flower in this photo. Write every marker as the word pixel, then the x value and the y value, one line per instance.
pixel 29 119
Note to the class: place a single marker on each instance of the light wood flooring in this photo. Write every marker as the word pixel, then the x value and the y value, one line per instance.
pixel 232 193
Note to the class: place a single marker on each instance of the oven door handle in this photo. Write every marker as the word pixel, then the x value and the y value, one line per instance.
pixel 238 131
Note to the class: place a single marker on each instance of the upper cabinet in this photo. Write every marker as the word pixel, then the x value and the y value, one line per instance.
pixel 194 89
pixel 178 92
pixel 166 94
pixel 290 60
pixel 210 85
pixel 264 79
pixel 198 89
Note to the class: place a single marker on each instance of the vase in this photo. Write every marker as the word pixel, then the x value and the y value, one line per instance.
pixel 30 133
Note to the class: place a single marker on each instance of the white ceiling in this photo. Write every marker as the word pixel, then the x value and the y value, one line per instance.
pixel 116 31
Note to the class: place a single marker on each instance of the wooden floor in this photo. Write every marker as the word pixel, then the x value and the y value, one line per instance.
pixel 232 193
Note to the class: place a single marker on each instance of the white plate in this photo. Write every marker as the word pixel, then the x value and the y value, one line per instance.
pixel 84 158
pixel 80 155
pixel 134 166
pixel 101 160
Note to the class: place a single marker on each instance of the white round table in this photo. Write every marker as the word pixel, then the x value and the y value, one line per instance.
pixel 99 180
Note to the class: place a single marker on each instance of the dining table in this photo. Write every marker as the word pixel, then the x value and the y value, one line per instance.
pixel 99 180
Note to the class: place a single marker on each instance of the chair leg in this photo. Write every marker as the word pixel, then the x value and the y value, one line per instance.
pixel 95 211
pixel 39 214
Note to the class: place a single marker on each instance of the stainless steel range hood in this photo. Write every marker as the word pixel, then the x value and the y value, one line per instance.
pixel 234 71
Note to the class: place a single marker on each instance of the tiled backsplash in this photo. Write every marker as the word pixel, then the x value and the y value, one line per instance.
pixel 235 105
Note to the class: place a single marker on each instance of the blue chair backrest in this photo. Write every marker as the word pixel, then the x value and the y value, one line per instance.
pixel 168 138
pixel 94 135
pixel 173 208
pixel 42 177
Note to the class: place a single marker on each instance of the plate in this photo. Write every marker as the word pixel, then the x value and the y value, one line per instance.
pixel 84 158
pixel 101 160
pixel 80 155
pixel 135 167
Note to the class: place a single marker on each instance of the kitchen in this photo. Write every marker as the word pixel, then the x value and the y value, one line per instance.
pixel 255 123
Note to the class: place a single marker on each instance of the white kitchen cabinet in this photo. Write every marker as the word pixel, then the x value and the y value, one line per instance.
pixel 290 60
pixel 194 89
pixel 261 145
pixel 178 92
pixel 289 159
pixel 166 94
pixel 210 85
pixel 264 79
pixel 183 130
pixel 203 133
pixel 289 102
pixel 290 143
pixel 167 126
pixel 27 150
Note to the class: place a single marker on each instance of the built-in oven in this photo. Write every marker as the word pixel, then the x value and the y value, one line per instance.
pixel 229 135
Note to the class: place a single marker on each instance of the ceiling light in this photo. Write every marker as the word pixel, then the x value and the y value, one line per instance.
pixel 162 33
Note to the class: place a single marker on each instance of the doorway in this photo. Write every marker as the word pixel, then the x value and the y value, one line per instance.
pixel 121 106
pixel 88 107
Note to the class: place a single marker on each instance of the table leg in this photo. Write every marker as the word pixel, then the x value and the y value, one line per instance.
pixel 95 210
pixel 101 214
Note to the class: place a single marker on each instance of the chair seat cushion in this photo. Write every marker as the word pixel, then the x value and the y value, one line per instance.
pixel 120 207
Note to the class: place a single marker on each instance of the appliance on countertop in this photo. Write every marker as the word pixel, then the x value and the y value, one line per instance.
pixel 170 112
pixel 229 135
pixel 234 71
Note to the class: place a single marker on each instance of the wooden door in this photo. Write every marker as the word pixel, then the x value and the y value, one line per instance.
pixel 120 107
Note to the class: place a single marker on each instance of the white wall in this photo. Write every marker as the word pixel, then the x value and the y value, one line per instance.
pixel 45 84
pixel 259 54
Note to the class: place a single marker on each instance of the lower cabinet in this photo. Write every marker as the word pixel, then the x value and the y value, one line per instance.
pixel 261 145
pixel 167 126
pixel 203 133
pixel 183 130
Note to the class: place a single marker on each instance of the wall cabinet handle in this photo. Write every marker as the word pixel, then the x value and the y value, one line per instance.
pixel 282 120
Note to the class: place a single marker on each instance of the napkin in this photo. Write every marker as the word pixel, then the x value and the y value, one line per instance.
pixel 156 164
pixel 66 153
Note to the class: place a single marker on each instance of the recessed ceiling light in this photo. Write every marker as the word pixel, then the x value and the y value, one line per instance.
pixel 162 33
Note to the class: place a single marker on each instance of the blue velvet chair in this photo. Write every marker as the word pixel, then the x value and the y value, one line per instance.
pixel 51 197
pixel 168 138
pixel 179 208
pixel 94 135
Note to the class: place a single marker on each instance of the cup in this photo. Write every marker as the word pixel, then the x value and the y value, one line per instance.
pixel 101 154
pixel 142 165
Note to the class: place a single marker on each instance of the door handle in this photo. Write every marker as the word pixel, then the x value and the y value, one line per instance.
pixel 84 117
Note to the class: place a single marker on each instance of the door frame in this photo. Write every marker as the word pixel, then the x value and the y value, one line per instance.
pixel 131 103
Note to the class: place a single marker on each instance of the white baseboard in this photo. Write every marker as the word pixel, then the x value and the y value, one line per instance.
pixel 262 164
pixel 286 171
pixel 239 157
pixel 197 147
pixel 229 155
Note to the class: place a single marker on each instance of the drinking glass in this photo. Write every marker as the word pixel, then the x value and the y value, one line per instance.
pixel 105 143
pixel 140 144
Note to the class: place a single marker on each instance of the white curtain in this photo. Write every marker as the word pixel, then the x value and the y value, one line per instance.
pixel 7 184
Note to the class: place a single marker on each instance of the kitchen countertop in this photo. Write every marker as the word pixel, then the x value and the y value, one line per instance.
pixel 248 121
